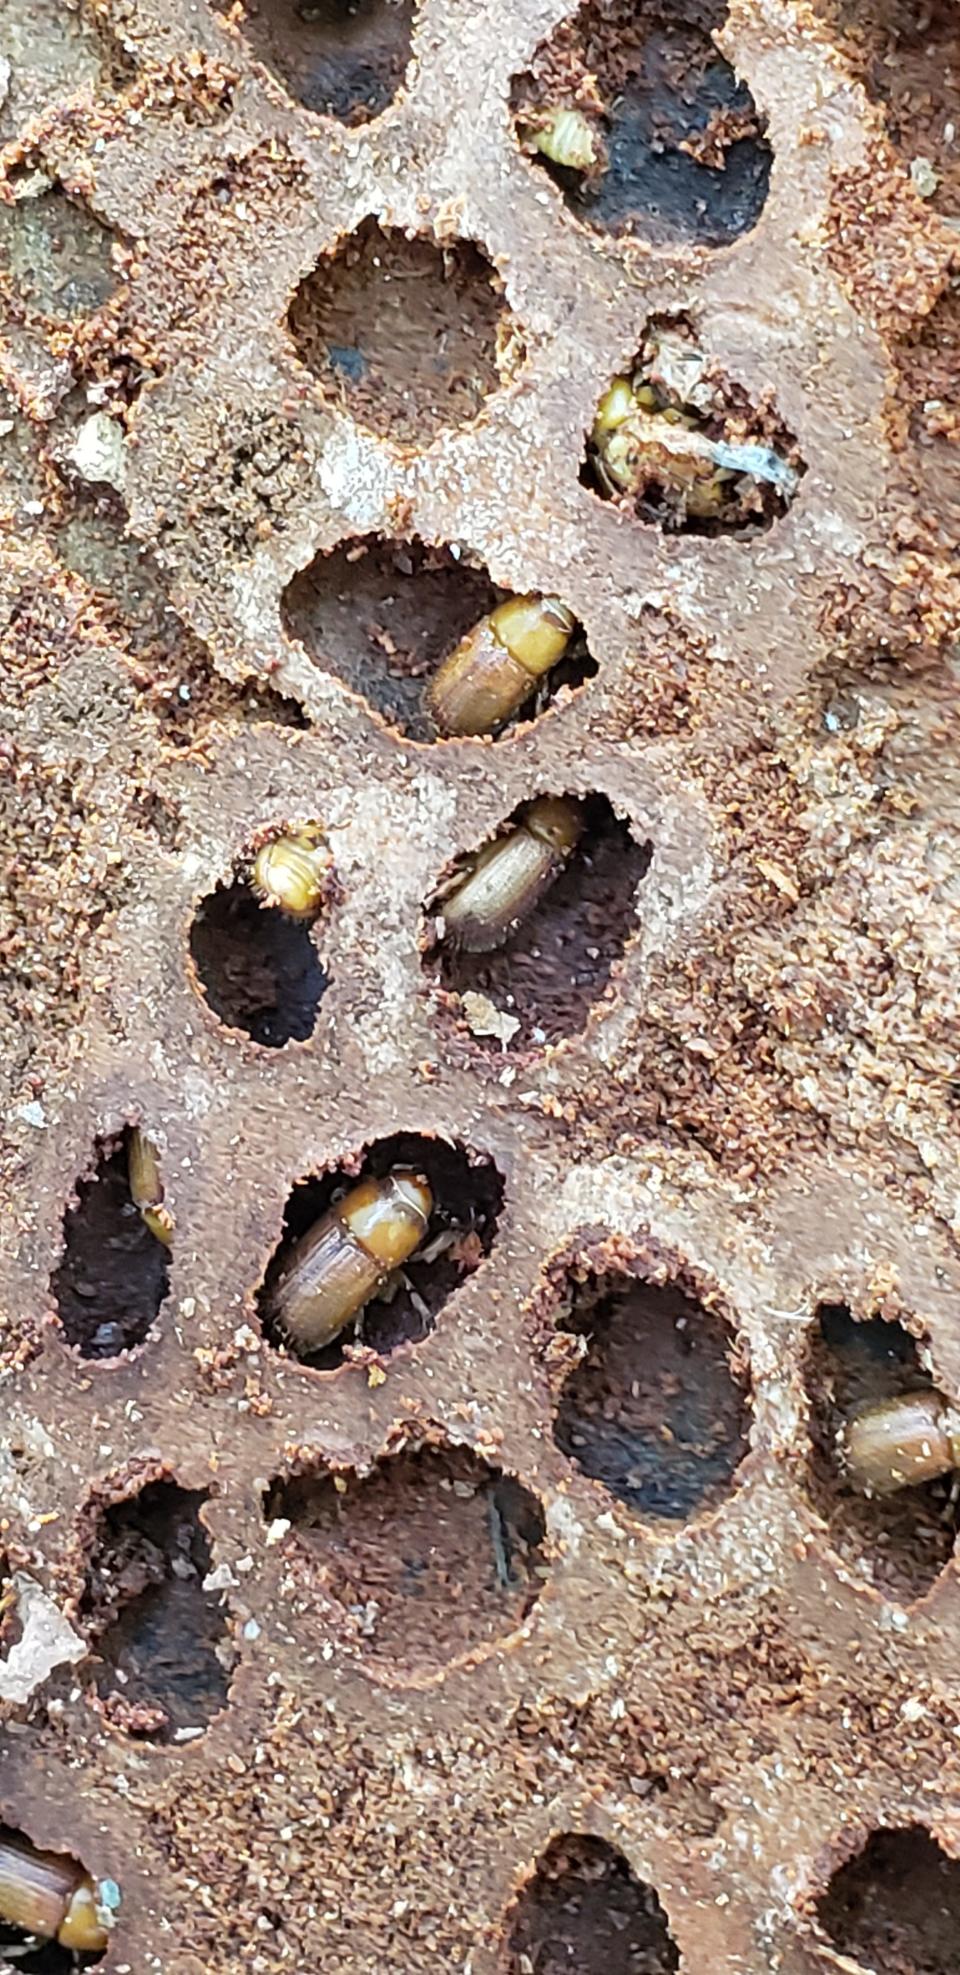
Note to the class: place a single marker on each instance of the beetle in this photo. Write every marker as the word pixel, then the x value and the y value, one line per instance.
pixel 504 882
pixel 499 664
pixel 347 1256
pixel 648 436
pixel 292 872
pixel 146 1186
pixel 900 1442
pixel 49 1895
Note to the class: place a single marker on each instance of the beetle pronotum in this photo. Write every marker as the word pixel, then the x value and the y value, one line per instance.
pixel 506 880
pixel 346 1257
pixel 900 1442
pixel 291 872
pixel 46 1894
pixel 499 664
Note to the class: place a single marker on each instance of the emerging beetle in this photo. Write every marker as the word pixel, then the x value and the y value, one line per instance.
pixel 146 1186
pixel 901 1442
pixel 565 136
pixel 348 1255
pixel 506 880
pixel 292 872
pixel 48 1895
pixel 499 664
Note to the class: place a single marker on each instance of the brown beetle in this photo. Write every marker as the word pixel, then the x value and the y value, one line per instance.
pixel 507 879
pixel 499 664
pixel 347 1256
pixel 46 1894
pixel 901 1442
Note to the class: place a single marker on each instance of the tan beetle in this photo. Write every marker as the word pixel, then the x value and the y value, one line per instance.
pixel 292 872
pixel 504 882
pixel 146 1186
pixel 347 1256
pixel 46 1894
pixel 900 1442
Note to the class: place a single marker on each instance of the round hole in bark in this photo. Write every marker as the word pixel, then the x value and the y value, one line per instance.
pixel 656 1408
pixel 679 151
pixel 894 1905
pixel 902 1542
pixel 432 1554
pixel 162 1658
pixel 585 1913
pixel 383 615
pixel 468 1194
pixel 541 983
pixel 22 1950
pixel 259 970
pixel 408 335
pixel 114 1273
pixel 339 61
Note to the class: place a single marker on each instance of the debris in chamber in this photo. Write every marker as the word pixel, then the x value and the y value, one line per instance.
pixel 434 1553
pixel 892 1905
pixel 584 1911
pixel 161 1657
pixel 655 1402
pixel 338 60
pixel 426 323
pixel 672 441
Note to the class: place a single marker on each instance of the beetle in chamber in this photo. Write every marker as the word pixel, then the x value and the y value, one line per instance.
pixel 504 882
pixel 348 1257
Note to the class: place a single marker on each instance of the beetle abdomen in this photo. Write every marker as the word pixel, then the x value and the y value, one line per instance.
pixel 900 1442
pixel 479 686
pixel 327 1278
